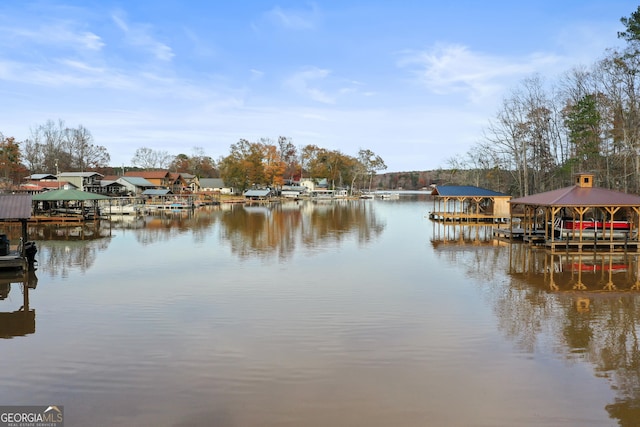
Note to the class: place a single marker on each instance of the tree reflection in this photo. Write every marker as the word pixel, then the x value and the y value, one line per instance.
pixel 250 230
pixel 588 304
pixel 277 230
pixel 59 258
pixel 591 306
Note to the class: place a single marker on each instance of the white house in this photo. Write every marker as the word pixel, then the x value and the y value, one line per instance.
pixel 135 185
pixel 215 185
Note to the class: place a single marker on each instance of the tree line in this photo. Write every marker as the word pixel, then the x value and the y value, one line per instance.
pixel 544 133
pixel 54 147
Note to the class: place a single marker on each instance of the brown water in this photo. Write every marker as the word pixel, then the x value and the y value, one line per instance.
pixel 346 314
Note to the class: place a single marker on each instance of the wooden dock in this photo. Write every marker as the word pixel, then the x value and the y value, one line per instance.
pixel 537 237
pixel 58 219
pixel 517 233
pixel 465 217
pixel 574 245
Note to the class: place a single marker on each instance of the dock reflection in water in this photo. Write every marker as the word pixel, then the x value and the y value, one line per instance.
pixel 592 305
pixel 22 320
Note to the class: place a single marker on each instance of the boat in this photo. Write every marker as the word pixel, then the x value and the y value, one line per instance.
pixel 319 195
pixel 19 258
pixel 389 196
pixel 129 209
pixel 592 228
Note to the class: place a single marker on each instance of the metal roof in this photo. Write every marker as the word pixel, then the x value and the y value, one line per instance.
pixel 212 183
pixel 257 193
pixel 579 196
pixel 39 176
pixel 68 194
pixel 156 192
pixel 159 174
pixel 137 181
pixel 15 206
pixel 83 174
pixel 465 191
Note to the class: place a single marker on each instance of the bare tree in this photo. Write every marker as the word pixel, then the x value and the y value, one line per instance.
pixel 147 158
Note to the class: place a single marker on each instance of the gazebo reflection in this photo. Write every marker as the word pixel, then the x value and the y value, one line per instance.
pixel 590 304
pixel 575 271
pixel 19 322
pixel 462 233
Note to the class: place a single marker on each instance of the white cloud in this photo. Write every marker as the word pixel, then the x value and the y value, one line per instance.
pixel 302 83
pixel 294 20
pixel 60 34
pixel 139 35
pixel 256 74
pixel 446 69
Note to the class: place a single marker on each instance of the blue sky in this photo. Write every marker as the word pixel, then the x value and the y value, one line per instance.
pixel 414 81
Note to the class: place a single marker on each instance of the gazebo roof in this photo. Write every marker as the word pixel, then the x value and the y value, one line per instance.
pixel 580 197
pixel 68 194
pixel 465 191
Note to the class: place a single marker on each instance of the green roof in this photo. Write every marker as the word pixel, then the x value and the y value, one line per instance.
pixel 68 194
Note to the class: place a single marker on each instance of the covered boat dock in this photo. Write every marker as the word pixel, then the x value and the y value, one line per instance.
pixel 66 205
pixel 467 203
pixel 16 208
pixel 579 218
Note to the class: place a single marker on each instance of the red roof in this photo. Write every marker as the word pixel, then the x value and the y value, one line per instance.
pixel 579 197
pixel 148 174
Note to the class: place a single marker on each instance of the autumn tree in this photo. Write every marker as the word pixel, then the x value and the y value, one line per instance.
pixel 243 167
pixel 289 155
pixel 274 166
pixel 370 163
pixel 307 154
pixel 11 160
pixel 180 163
pixel 198 164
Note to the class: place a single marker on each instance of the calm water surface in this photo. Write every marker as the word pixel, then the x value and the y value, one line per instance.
pixel 358 313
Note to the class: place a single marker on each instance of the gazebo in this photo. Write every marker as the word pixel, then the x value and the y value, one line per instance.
pixel 66 195
pixel 581 217
pixel 468 203
pixel 16 207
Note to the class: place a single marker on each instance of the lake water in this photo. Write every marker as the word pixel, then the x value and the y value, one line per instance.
pixel 361 313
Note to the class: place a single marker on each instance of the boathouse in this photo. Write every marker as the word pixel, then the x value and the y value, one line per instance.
pixel 469 204
pixel 66 204
pixel 579 217
pixel 15 208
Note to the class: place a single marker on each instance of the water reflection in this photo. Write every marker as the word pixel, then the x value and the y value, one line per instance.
pixel 249 230
pixel 277 230
pixel 87 230
pixel 572 272
pixel 460 233
pixel 20 321
pixel 589 304
pixel 407 331
pixel 167 224
pixel 60 257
